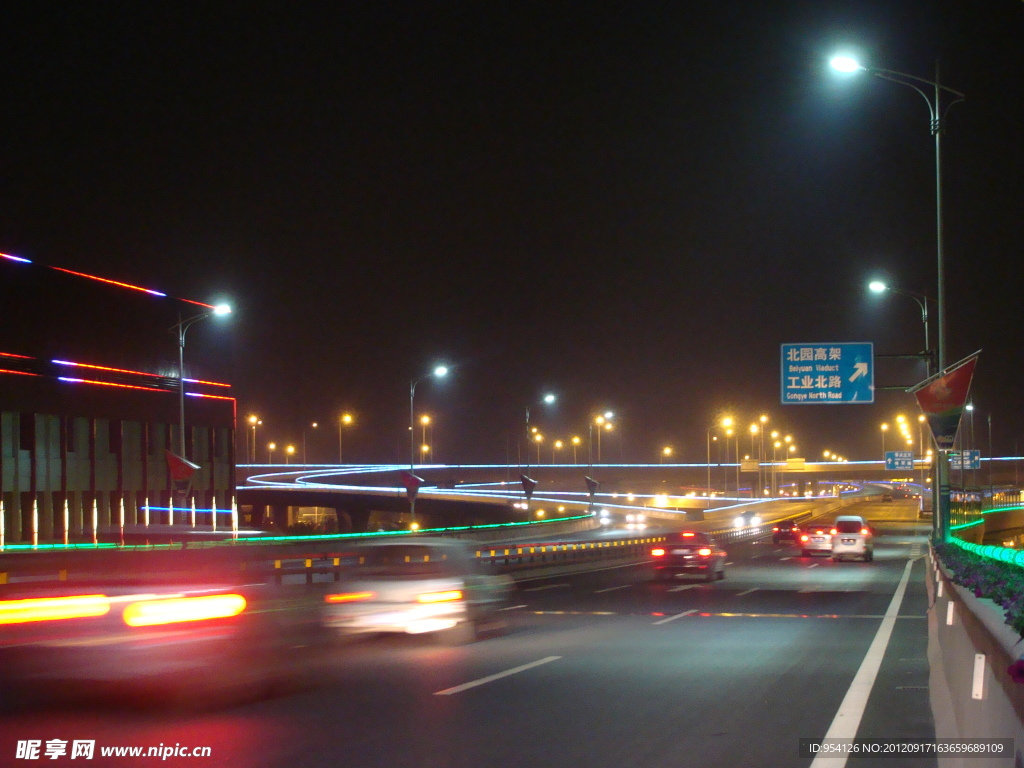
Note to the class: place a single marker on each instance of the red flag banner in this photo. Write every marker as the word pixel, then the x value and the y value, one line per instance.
pixel 181 469
pixel 942 399
pixel 412 484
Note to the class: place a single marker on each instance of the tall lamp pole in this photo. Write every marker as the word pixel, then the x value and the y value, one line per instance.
pixel 877 286
pixel 181 327
pixel 439 372
pixel 931 91
pixel 343 421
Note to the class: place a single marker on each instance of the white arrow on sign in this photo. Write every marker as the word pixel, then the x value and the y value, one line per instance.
pixel 859 369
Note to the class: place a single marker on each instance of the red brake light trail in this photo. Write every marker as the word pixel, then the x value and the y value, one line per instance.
pixel 348 597
pixel 53 608
pixel 440 597
pixel 148 613
pixel 689 533
pixel 658 552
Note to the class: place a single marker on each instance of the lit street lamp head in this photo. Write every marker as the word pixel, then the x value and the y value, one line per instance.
pixel 441 371
pixel 845 64
pixel 222 309
pixel 877 286
pixel 549 398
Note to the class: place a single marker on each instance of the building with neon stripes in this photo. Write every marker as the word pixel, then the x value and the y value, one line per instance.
pixel 89 405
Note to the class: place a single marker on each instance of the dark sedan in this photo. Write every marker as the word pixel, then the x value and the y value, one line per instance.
pixel 688 552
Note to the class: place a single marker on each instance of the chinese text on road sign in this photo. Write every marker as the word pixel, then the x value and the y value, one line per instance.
pixel 828 373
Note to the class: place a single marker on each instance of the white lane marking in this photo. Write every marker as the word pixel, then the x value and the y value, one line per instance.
pixel 682 587
pixel 729 563
pixel 783 559
pixel 747 592
pixel 814 565
pixel 546 586
pixel 612 589
pixel 677 616
pixel 847 719
pixel 492 678
pixel 512 607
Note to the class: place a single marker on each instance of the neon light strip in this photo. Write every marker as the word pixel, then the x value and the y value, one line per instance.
pixel 115 282
pixel 23 373
pixel 20 357
pixel 109 384
pixel 212 397
pixel 209 383
pixel 15 258
pixel 138 373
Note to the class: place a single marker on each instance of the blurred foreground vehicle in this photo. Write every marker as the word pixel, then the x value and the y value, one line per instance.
pixel 179 628
pixel 688 552
pixel 421 586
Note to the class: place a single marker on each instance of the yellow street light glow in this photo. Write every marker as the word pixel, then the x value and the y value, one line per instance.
pixel 728 433
pixel 921 417
pixel 609 426
pixel 253 420
pixel 763 418
pixel 424 420
pixel 666 451
pixel 753 429
pixel 314 425
pixel 885 427
pixel 559 444
pixel 778 444
pixel 792 448
pixel 775 434
pixel 272 446
pixel 540 513
pixel 539 437
pixel 788 438
pixel 346 418
pixel 414 526
pixel 290 450
pixel 599 420
pixel 425 448
pixel 901 418
pixel 727 421
pixel 576 440
pixel 827 454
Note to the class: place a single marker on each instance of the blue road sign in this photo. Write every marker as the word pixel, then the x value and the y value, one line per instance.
pixel 899 459
pixel 965 459
pixel 828 373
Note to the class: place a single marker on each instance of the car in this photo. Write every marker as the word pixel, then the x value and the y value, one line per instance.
pixel 816 539
pixel 887 497
pixel 423 586
pixel 747 519
pixel 786 530
pixel 852 537
pixel 688 552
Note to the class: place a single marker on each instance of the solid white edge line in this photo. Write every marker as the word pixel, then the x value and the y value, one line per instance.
pixel 612 589
pixel 512 607
pixel 747 592
pixel 673 618
pixel 847 719
pixel 498 676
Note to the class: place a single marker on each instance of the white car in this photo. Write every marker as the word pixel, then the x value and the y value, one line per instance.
pixel 816 539
pixel 852 537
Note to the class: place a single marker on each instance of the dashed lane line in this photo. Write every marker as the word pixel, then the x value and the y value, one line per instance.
pixel 498 676
pixel 677 616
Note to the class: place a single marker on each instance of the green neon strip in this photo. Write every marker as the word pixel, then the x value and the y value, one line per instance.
pixel 1001 554
pixel 965 525
pixel 1001 509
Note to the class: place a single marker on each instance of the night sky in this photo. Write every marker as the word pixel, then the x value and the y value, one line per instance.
pixel 630 204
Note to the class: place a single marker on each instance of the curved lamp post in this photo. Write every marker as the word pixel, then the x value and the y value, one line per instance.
pixel 182 326
pixel 439 372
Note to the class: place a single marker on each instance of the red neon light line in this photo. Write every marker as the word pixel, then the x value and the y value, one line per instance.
pixel 213 397
pixel 20 357
pixel 138 373
pixel 110 384
pixel 112 282
pixel 23 373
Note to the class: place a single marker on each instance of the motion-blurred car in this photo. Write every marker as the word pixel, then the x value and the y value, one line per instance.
pixel 186 636
pixel 636 522
pixel 852 537
pixel 426 585
pixel 688 552
pixel 787 530
pixel 815 540
pixel 747 519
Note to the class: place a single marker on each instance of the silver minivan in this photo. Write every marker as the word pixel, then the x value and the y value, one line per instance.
pixel 852 537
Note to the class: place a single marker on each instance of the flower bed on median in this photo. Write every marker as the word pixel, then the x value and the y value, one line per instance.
pixel 1003 583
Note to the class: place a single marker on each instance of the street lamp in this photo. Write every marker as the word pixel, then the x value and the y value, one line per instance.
pixel 254 421
pixel 288 453
pixel 344 421
pixel 723 423
pixel 271 447
pixel 424 422
pixel 877 286
pixel 885 428
pixel 305 458
pixel 538 438
pixel 557 445
pixel 937 112
pixel 182 326
pixel 575 444
pixel 666 453
pixel 439 372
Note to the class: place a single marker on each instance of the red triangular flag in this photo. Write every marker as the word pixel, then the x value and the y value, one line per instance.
pixel 180 468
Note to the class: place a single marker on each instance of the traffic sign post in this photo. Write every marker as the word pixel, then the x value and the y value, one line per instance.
pixel 828 373
pixel 899 460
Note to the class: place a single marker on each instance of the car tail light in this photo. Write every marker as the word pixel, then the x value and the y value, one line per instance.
pixel 865 531
pixel 689 533
pixel 440 597
pixel 704 551
pixel 658 552
pixel 804 537
pixel 53 608
pixel 148 613
pixel 833 531
pixel 348 597
pixel 775 528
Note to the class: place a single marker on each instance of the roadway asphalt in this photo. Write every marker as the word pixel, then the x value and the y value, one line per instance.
pixel 603 668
